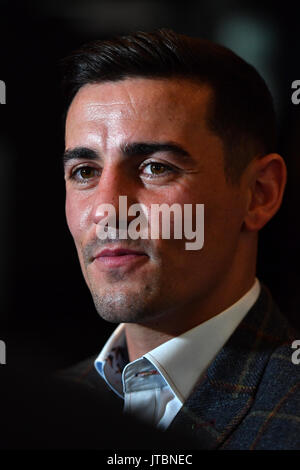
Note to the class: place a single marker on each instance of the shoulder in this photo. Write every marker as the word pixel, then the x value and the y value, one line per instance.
pixel 273 421
pixel 277 404
pixel 83 373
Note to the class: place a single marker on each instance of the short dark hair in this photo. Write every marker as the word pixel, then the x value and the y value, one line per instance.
pixel 241 113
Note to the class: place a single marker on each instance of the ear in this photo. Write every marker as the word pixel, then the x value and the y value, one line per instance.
pixel 267 180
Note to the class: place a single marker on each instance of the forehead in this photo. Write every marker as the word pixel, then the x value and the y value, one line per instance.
pixel 160 104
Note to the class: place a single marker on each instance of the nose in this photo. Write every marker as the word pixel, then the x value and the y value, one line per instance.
pixel 113 183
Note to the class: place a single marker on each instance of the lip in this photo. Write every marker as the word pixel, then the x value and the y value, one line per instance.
pixel 119 257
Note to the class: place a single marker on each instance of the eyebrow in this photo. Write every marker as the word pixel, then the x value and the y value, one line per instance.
pixel 134 149
pixel 137 149
pixel 81 153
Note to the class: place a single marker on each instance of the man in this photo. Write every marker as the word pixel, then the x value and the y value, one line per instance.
pixel 162 118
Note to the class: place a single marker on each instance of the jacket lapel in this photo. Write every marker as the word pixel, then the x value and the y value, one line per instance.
pixel 225 393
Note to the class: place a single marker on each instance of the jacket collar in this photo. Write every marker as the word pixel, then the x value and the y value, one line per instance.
pixel 225 393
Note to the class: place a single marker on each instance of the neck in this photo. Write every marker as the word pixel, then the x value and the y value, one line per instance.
pixel 142 338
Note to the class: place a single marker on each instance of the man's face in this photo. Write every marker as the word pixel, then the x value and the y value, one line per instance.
pixel 164 281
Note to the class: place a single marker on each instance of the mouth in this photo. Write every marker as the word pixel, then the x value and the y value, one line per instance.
pixel 119 257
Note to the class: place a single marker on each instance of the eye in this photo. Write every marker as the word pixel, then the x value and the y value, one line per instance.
pixel 152 169
pixel 84 173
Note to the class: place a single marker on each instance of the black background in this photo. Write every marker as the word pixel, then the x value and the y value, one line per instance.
pixel 47 315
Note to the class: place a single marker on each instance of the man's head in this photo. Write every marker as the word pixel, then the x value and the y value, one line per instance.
pixel 163 118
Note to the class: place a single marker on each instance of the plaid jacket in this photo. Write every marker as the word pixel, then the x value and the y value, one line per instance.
pixel 249 397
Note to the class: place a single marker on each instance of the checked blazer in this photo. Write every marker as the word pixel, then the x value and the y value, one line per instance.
pixel 249 397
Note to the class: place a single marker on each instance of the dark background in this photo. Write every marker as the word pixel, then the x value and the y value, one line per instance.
pixel 47 314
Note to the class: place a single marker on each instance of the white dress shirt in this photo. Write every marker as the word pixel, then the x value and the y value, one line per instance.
pixel 156 385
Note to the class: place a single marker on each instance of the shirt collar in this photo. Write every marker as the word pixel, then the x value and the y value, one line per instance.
pixel 183 359
pixel 112 359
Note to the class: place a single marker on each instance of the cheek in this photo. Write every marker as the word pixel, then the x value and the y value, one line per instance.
pixel 223 222
pixel 78 216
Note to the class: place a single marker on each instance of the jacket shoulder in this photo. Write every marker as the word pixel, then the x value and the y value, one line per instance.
pixel 83 373
pixel 273 421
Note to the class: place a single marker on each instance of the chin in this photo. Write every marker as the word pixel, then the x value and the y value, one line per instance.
pixel 118 307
